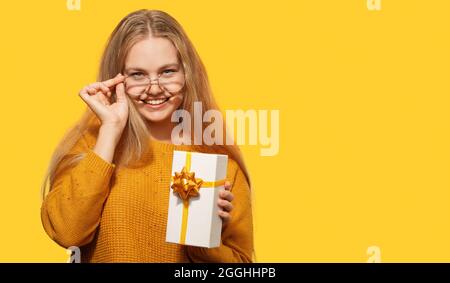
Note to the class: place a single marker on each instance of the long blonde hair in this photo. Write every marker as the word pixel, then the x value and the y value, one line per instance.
pixel 135 138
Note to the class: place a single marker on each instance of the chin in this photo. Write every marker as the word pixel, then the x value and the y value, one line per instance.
pixel 156 117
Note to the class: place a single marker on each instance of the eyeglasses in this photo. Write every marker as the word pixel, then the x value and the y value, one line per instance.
pixel 171 81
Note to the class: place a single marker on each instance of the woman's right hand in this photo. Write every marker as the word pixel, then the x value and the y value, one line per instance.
pixel 98 97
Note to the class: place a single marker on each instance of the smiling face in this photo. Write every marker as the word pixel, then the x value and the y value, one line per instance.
pixel 148 60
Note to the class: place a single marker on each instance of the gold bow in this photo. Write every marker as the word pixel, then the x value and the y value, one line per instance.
pixel 185 184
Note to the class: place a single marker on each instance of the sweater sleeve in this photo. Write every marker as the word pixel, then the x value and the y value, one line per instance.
pixel 237 235
pixel 71 211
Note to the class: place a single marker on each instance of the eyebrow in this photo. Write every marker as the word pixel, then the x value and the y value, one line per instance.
pixel 177 65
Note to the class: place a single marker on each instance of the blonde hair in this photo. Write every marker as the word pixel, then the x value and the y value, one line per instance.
pixel 135 138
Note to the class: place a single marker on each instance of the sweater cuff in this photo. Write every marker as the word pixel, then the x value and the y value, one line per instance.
pixel 101 166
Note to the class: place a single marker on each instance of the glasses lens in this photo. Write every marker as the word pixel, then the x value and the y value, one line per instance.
pixel 136 84
pixel 172 81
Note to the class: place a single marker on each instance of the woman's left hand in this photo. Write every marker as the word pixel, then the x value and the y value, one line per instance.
pixel 225 206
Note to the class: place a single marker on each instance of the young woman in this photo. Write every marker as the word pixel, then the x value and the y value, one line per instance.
pixel 109 177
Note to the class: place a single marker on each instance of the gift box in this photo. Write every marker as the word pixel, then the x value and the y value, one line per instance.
pixel 193 217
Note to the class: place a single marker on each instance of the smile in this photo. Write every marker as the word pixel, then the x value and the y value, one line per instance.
pixel 158 101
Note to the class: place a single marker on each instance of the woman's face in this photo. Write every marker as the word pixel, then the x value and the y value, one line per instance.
pixel 147 60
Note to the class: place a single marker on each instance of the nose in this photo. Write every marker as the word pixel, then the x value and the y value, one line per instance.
pixel 154 88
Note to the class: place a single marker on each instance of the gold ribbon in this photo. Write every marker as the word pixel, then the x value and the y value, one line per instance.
pixel 186 186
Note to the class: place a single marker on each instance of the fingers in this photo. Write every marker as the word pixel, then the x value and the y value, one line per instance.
pixel 224 202
pixel 92 103
pixel 226 217
pixel 91 90
pixel 100 86
pixel 226 194
pixel 112 82
pixel 227 185
pixel 103 99
pixel 225 205
pixel 97 87
pixel 104 87
pixel 120 91
pixel 225 198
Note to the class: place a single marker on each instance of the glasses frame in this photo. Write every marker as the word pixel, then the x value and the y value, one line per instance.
pixel 152 82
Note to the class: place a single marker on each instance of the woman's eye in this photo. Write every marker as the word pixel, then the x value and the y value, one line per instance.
pixel 170 71
pixel 137 75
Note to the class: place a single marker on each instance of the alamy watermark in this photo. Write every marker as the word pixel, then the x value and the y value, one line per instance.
pixel 262 126
pixel 74 254
pixel 374 5
pixel 73 5
pixel 374 253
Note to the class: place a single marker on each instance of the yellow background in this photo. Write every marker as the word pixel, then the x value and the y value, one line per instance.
pixel 363 97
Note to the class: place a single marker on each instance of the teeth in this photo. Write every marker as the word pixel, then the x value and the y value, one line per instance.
pixel 155 101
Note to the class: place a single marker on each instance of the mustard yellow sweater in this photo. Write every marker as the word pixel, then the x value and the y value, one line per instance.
pixel 120 214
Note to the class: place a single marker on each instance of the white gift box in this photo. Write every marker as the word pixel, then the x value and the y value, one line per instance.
pixel 196 221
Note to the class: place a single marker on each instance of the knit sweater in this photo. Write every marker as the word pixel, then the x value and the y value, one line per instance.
pixel 120 214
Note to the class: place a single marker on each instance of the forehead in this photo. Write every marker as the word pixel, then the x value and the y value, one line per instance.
pixel 151 53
